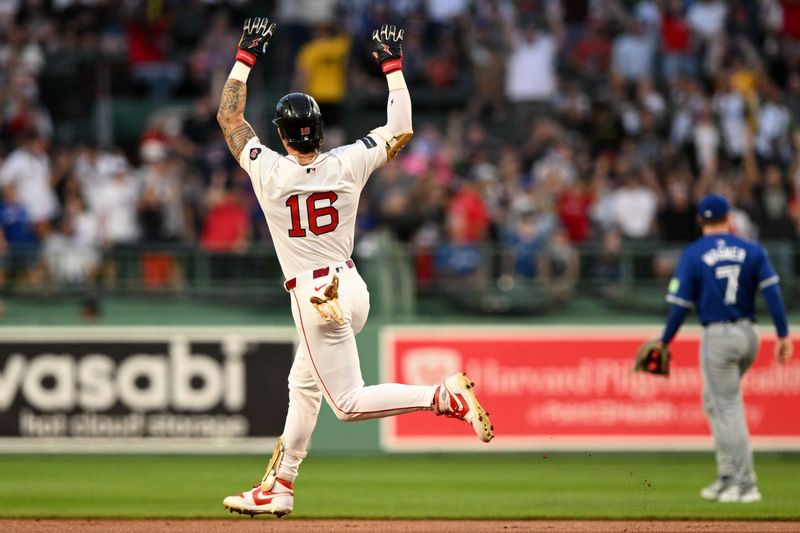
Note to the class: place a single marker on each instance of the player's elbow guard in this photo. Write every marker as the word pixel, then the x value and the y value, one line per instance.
pixel 394 142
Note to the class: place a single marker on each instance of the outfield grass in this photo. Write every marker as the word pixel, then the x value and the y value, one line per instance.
pixel 446 486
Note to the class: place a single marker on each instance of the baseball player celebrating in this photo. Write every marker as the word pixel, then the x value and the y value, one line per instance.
pixel 310 199
pixel 720 274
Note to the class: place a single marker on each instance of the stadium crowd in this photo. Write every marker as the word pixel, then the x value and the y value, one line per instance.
pixel 561 123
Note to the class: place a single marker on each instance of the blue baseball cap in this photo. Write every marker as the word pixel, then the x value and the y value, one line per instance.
pixel 713 206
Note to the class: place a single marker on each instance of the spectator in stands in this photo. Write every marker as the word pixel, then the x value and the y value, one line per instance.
pixel 390 197
pixel 467 217
pixel 322 71
pixel 648 13
pixel 526 245
pixel 161 208
pixel 793 96
pixel 677 214
pixel 443 12
pixel 573 106
pixel 28 167
pixel 148 42
pixel 590 57
pixel 560 264
pixel 607 269
pixel 706 142
pixel 677 223
pixel 687 103
pixel 633 53
pixel 772 137
pixel 200 126
pixel 650 147
pixel 23 52
pixel 676 44
pixel 745 70
pixel 227 226
pixel 18 240
pixel 210 62
pixel 730 108
pixel 467 223
pixel 72 252
pixel 487 179
pixel 633 207
pixel 706 18
pixel 574 205
pixel 773 207
pixel 117 200
pixel 93 169
pixel 531 67
pixel 556 164
pixel 485 51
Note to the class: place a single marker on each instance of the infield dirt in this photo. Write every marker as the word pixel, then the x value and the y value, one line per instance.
pixel 262 525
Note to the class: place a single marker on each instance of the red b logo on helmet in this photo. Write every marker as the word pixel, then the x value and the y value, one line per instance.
pixel 305 131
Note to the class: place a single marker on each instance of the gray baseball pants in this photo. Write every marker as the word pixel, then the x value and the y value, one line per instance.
pixel 726 352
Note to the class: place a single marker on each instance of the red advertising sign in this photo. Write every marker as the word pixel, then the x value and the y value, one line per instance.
pixel 573 388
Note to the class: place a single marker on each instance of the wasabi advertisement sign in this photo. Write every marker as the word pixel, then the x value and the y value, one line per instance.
pixel 130 383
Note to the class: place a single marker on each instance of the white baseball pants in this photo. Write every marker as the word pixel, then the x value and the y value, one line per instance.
pixel 326 365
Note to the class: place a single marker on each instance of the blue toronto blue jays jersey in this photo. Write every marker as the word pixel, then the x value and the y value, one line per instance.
pixel 720 274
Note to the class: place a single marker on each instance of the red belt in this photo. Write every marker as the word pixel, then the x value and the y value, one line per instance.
pixel 290 284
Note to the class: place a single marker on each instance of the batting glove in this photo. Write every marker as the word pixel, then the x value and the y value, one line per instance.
pixel 388 41
pixel 255 38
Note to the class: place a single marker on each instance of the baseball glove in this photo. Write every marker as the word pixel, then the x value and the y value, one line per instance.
pixel 653 358
pixel 328 307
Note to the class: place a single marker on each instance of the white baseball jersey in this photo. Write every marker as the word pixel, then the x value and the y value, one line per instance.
pixel 311 210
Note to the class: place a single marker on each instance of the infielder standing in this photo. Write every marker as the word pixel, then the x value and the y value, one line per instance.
pixel 310 200
pixel 720 274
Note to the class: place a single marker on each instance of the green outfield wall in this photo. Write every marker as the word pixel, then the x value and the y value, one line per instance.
pixel 332 435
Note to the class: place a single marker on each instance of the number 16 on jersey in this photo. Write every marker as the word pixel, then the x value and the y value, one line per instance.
pixel 314 212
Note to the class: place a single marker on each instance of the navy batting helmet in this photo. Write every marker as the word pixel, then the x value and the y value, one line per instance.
pixel 299 120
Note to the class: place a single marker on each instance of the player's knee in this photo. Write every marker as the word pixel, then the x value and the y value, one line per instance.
pixel 346 416
pixel 307 405
pixel 307 399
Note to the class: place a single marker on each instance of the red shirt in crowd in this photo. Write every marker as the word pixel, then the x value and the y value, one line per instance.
pixel 675 35
pixel 145 42
pixel 226 226
pixel 468 216
pixel 791 18
pixel 573 210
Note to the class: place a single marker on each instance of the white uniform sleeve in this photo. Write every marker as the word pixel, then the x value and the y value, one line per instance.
pixel 362 157
pixel 398 111
pixel 256 159
pixel 368 153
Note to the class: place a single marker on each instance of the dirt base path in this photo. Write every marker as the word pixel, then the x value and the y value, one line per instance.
pixel 288 525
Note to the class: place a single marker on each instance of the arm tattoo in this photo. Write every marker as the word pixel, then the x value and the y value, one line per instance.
pixel 231 116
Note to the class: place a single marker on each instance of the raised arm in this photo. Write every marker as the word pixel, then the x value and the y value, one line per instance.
pixel 397 132
pixel 255 39
pixel 230 116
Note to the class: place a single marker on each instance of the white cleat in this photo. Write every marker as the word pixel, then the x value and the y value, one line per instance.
pixel 455 398
pixel 712 492
pixel 278 501
pixel 735 494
